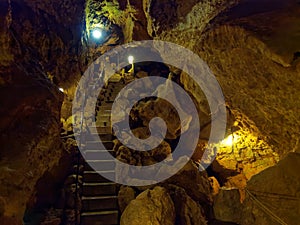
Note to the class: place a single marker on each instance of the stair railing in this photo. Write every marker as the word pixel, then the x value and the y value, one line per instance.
pixel 81 144
pixel 82 135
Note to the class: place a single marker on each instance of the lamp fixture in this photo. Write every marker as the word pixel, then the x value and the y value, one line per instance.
pixel 97 33
pixel 130 59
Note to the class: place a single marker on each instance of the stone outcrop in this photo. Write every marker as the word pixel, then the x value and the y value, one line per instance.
pixel 30 137
pixel 188 211
pixel 255 62
pixel 38 56
pixel 153 207
pixel 261 75
pixel 125 196
pixel 195 183
pixel 242 154
pixel 271 197
pixel 234 42
pixel 141 158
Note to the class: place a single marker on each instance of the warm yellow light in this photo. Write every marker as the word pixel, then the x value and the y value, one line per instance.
pixel 130 59
pixel 61 89
pixel 229 140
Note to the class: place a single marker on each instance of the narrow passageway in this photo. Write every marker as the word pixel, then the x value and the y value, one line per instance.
pixel 99 195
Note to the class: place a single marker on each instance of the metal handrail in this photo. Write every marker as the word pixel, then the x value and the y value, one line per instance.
pixel 78 159
pixel 82 141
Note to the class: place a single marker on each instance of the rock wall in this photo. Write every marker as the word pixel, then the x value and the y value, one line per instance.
pixel 30 137
pixel 256 77
pixel 255 68
pixel 275 203
pixel 255 83
pixel 40 42
pixel 253 61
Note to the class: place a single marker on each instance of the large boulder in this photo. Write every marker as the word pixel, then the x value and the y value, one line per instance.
pixel 145 158
pixel 188 211
pixel 195 183
pixel 154 207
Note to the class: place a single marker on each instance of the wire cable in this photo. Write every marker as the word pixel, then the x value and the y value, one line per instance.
pixel 265 209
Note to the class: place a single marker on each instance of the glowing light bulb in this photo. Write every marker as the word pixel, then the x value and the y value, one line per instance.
pixel 130 59
pixel 97 33
pixel 228 141
pixel 61 89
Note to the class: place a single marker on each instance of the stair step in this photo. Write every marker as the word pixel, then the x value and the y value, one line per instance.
pixel 98 154
pixel 104 111
pixel 105 137
pixel 97 189
pixel 101 165
pixel 103 129
pixel 105 106
pixel 95 177
pixel 99 203
pixel 104 118
pixel 103 123
pixel 93 145
pixel 100 218
pixel 109 100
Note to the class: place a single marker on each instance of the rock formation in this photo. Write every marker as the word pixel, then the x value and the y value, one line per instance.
pixel 154 207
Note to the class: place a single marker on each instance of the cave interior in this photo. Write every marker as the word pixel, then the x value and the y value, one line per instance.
pixel 98 97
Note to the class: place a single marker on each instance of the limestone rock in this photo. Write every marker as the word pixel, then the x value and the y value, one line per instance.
pixel 188 212
pixel 277 186
pixel 227 205
pixel 154 207
pixel 215 186
pixel 125 196
pixel 160 108
pixel 246 52
pixel 194 182
pixel 271 196
pixel 144 158
pixel 242 154
pixel 30 137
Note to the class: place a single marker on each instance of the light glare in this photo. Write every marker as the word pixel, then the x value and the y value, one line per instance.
pixel 130 59
pixel 97 33
pixel 230 139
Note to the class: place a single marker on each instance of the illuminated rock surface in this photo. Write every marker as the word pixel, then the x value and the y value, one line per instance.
pixel 154 207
